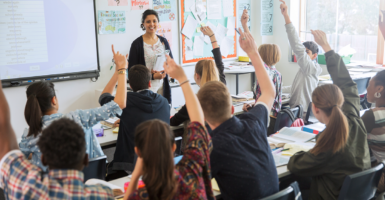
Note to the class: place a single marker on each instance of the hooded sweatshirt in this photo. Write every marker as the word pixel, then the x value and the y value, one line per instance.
pixel 141 106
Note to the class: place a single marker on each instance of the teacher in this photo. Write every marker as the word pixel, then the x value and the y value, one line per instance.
pixel 144 51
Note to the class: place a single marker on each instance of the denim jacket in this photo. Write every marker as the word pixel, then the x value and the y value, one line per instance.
pixel 86 118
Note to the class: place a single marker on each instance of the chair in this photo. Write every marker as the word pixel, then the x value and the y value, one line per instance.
pixel 284 119
pixel 361 185
pixel 362 84
pixel 290 193
pixel 310 118
pixel 96 168
pixel 2 195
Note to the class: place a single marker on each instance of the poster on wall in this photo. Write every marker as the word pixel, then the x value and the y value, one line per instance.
pixel 166 9
pixel 140 4
pixel 117 2
pixel 164 30
pixel 244 4
pixel 111 22
pixel 267 12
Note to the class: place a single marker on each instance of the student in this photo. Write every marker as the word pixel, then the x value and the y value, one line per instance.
pixel 374 120
pixel 63 150
pixel 306 79
pixel 142 105
pixel 155 146
pixel 241 160
pixel 341 149
pixel 144 51
pixel 42 109
pixel 205 71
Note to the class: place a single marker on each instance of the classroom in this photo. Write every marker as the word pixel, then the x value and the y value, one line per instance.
pixel 192 99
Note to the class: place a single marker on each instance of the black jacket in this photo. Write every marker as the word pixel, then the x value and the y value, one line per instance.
pixel 141 106
pixel 137 57
pixel 182 114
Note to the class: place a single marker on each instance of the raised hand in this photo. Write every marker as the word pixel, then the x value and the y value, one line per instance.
pixel 206 30
pixel 321 39
pixel 245 17
pixel 381 23
pixel 283 8
pixel 247 42
pixel 120 60
pixel 174 70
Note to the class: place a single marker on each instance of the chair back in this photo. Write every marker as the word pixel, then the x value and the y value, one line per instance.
pixel 290 193
pixel 286 117
pixel 361 185
pixel 96 168
pixel 310 118
pixel 2 195
pixel 362 84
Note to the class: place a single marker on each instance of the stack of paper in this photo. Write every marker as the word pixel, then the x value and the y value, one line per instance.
pixel 292 135
pixel 297 147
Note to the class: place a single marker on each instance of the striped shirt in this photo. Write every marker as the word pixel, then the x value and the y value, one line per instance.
pixel 22 180
pixel 374 120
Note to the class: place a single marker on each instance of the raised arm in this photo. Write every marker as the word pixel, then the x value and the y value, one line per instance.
pixel 206 30
pixel 340 75
pixel 193 106
pixel 121 68
pixel 244 19
pixel 8 140
pixel 248 45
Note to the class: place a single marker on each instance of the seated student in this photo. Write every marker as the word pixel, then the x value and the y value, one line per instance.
pixel 42 109
pixel 374 120
pixel 155 146
pixel 306 79
pixel 205 71
pixel 241 160
pixel 63 148
pixel 270 54
pixel 142 105
pixel 341 149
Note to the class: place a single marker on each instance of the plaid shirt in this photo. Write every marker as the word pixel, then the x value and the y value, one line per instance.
pixel 193 172
pixel 276 77
pixel 22 180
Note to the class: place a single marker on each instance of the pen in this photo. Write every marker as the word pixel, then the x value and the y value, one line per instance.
pixel 237 31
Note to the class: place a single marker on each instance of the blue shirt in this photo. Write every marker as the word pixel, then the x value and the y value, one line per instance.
pixel 241 160
pixel 85 118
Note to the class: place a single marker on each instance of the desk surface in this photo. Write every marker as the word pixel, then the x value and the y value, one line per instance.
pixel 239 71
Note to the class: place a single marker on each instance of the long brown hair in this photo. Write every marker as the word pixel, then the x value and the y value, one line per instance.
pixel 330 99
pixel 154 140
pixel 39 97
pixel 207 70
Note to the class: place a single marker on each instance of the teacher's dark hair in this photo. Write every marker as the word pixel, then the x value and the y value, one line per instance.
pixel 139 76
pixel 147 13
pixel 39 98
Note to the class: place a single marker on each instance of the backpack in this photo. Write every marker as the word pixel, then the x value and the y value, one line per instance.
pixel 297 122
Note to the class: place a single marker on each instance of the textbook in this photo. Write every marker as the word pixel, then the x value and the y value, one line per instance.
pixel 291 135
pixel 314 128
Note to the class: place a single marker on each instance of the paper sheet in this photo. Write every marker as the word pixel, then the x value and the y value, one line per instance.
pixel 214 9
pixel 164 30
pixel 205 38
pixel 102 182
pixel 117 2
pixel 188 42
pixel 220 33
pixel 188 4
pixel 167 10
pixel 212 26
pixel 228 8
pixel 111 22
pixel 189 27
pixel 189 55
pixel 226 44
pixel 230 26
pixel 140 4
pixel 195 13
pixel 160 59
pixel 198 46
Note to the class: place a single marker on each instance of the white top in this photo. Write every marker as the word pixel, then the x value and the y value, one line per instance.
pixel 150 52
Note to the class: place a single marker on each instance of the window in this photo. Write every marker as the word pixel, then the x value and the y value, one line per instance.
pixel 346 22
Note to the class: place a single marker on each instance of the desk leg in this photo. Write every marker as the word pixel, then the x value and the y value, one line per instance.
pixel 237 84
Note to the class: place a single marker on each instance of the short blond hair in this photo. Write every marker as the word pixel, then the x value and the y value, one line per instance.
pixel 270 53
pixel 216 101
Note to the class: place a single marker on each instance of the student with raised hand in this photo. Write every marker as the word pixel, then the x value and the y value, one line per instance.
pixel 63 149
pixel 155 146
pixel 241 160
pixel 205 71
pixel 306 53
pixel 341 149
pixel 374 121
pixel 42 109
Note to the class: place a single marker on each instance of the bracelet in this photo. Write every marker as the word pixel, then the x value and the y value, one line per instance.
pixel 213 42
pixel 121 69
pixel 212 35
pixel 180 84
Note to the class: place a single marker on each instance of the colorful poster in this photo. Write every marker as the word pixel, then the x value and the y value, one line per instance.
pixel 164 30
pixel 166 9
pixel 140 4
pixel 111 22
pixel 267 20
pixel 244 4
pixel 118 2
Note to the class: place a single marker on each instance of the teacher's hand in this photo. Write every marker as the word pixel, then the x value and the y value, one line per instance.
pixel 159 74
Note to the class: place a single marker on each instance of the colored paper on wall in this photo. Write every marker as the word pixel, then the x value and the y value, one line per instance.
pixel 111 22
pixel 166 9
pixel 140 4
pixel 165 30
pixel 118 2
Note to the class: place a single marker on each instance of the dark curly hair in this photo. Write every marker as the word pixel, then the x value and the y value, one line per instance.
pixel 63 144
pixel 147 13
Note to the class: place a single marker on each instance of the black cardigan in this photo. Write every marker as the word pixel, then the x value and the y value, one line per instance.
pixel 137 57
pixel 182 114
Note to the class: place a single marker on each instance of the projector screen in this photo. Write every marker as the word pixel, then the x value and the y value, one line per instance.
pixel 47 38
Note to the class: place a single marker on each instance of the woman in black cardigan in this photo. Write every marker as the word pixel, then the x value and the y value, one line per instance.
pixel 205 71
pixel 145 48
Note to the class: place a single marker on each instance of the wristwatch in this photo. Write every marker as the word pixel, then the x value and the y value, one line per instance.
pixel 122 72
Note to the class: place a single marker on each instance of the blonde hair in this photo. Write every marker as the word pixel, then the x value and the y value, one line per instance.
pixel 329 99
pixel 207 70
pixel 270 53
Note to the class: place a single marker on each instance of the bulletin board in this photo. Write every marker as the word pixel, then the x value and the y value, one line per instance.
pixel 207 54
